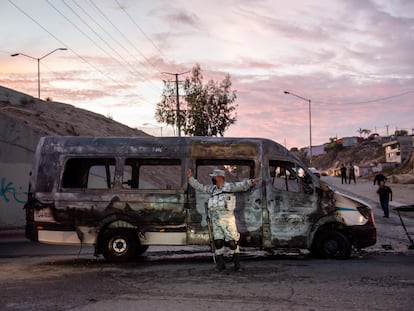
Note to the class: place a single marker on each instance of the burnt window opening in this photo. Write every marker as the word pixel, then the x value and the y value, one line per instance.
pixel 152 174
pixel 287 176
pixel 236 170
pixel 89 173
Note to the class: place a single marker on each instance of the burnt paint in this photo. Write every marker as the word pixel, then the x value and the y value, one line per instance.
pixel 174 211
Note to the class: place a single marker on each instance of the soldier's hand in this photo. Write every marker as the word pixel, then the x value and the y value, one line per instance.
pixel 256 181
pixel 189 173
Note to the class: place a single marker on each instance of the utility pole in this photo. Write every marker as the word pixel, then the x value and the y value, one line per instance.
pixel 177 120
pixel 310 123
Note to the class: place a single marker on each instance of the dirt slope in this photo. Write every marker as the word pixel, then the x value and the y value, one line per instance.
pixel 53 118
pixel 369 152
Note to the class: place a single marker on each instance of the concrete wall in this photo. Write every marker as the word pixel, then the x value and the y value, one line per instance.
pixel 17 146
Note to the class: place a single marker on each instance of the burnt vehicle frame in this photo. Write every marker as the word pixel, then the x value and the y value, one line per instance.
pixel 124 194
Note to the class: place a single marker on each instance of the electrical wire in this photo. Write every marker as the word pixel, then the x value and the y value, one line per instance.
pixel 367 101
pixel 131 71
pixel 123 35
pixel 67 46
pixel 107 33
pixel 142 31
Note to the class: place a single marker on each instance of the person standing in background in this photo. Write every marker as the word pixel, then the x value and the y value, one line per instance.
pixel 385 196
pixel 343 173
pixel 351 173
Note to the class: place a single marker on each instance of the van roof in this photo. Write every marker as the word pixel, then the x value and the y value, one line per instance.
pixel 83 144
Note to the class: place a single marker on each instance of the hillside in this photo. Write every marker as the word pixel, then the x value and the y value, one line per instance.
pixel 54 118
pixel 369 152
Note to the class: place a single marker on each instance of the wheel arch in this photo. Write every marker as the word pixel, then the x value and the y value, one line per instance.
pixel 331 223
pixel 329 228
pixel 112 222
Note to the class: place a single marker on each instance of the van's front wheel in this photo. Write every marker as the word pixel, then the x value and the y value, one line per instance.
pixel 119 245
pixel 333 244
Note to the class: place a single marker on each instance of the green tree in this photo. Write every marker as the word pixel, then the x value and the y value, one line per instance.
pixel 206 110
pixel 166 111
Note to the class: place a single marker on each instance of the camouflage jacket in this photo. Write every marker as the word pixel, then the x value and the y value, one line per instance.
pixel 222 198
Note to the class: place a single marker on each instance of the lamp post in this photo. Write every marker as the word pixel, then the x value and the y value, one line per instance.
pixel 38 65
pixel 310 124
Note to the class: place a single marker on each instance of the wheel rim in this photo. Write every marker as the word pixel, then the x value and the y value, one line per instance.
pixel 119 246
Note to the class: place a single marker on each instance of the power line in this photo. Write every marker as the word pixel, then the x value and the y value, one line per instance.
pixel 140 29
pixel 123 35
pixel 370 100
pixel 66 45
pixel 93 41
pixel 107 32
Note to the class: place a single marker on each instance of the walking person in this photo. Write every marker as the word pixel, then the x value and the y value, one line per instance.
pixel 385 196
pixel 221 205
pixel 343 173
pixel 351 173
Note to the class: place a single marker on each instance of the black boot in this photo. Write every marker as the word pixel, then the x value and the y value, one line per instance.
pixel 236 260
pixel 220 266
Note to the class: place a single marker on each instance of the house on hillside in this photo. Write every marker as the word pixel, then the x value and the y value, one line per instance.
pixel 399 149
pixel 350 141
pixel 318 150
pixel 365 170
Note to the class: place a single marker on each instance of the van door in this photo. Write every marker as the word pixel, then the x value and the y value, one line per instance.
pixel 248 210
pixel 291 199
pixel 153 190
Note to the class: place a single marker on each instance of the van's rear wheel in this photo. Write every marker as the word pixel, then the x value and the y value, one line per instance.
pixel 333 244
pixel 119 245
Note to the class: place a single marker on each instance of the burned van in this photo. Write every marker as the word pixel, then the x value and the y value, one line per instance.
pixel 124 194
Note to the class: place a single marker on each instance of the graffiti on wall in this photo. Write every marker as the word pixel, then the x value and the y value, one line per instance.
pixel 8 192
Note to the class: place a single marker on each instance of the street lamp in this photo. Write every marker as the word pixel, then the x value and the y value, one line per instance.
pixel 38 65
pixel 310 124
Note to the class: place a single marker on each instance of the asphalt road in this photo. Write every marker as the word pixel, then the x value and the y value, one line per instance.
pixel 168 279
pixel 47 277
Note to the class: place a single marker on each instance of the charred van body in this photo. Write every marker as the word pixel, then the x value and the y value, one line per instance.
pixel 123 194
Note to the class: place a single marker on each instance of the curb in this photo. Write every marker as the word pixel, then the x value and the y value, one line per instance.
pixel 12 235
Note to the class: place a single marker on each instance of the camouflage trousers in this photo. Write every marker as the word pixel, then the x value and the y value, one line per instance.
pixel 224 228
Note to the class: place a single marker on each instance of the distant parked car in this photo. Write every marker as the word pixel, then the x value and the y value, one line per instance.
pixel 315 171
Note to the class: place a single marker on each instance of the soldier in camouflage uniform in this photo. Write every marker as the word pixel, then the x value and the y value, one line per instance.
pixel 221 205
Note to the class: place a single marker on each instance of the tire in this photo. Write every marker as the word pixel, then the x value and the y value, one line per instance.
pixel 333 244
pixel 119 245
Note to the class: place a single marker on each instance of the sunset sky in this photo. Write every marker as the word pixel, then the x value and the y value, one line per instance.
pixel 353 59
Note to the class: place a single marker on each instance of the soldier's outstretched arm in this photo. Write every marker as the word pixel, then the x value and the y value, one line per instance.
pixel 197 185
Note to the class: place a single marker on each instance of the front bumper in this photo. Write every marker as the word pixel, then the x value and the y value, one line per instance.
pixel 363 236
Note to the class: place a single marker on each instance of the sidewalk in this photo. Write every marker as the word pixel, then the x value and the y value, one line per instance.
pixel 12 235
